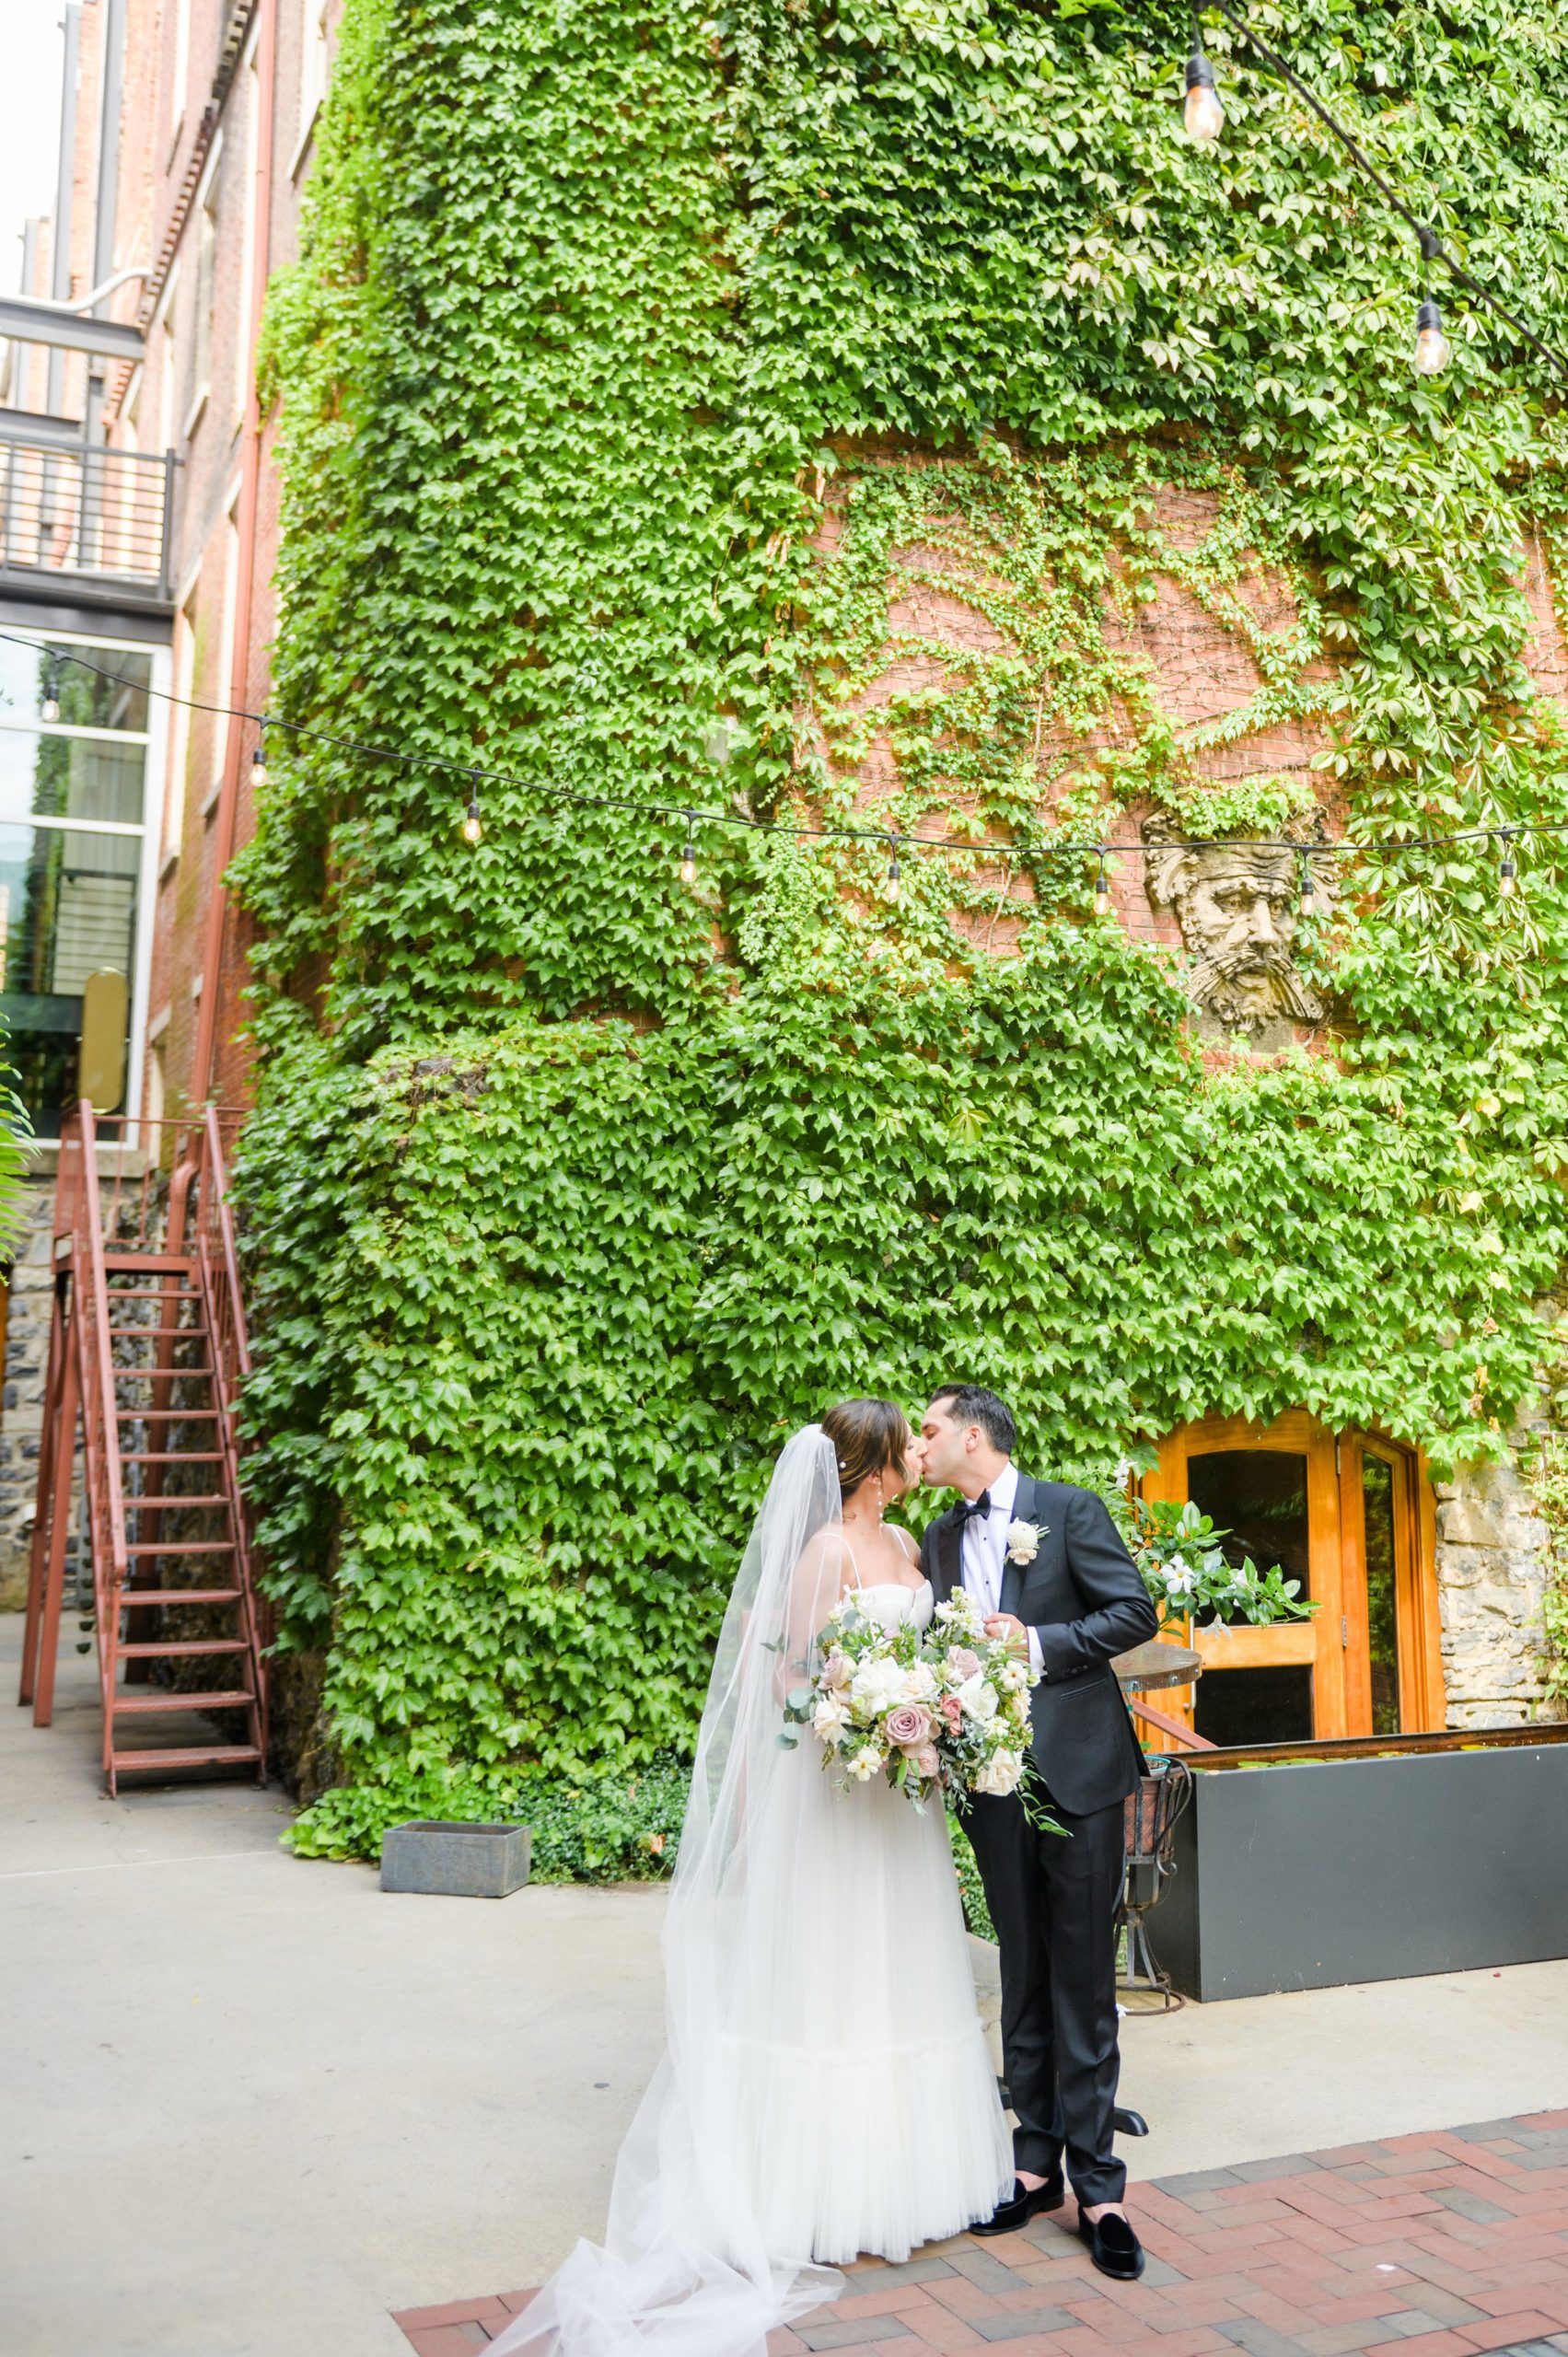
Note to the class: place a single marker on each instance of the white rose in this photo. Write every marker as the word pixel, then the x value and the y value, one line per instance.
pixel 864 1764
pixel 978 1700
pixel 1001 1773
pixel 919 1684
pixel 830 1714
pixel 878 1686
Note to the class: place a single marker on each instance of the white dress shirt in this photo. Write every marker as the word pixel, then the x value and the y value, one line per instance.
pixel 984 1554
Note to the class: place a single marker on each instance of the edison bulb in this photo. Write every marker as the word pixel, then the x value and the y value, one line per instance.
pixel 472 829
pixel 1203 114
pixel 1433 350
pixel 689 869
pixel 49 709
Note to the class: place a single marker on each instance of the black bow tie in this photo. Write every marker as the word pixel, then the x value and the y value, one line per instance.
pixel 969 1507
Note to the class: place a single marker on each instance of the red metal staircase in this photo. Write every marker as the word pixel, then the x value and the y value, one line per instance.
pixel 148 1353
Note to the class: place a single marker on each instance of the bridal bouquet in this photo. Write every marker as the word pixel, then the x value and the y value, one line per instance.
pixel 948 1711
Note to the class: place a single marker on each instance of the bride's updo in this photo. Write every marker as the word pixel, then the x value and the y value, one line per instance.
pixel 869 1437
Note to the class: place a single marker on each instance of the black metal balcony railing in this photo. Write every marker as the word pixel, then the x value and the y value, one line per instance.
pixel 89 519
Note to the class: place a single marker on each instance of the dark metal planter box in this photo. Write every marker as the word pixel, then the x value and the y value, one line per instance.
pixel 456 1861
pixel 1309 1873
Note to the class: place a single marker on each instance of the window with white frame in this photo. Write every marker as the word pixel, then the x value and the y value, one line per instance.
pixel 73 831
pixel 314 59
pixel 205 292
pixel 179 68
pixel 179 726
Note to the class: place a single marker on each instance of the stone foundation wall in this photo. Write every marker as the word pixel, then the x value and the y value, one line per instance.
pixel 1490 1579
pixel 27 1367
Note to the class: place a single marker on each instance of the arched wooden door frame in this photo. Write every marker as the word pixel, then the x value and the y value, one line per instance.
pixel 1336 1642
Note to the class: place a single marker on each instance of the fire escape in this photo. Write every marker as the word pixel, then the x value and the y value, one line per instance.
pixel 148 1355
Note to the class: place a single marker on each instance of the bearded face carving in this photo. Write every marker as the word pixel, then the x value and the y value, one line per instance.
pixel 1235 903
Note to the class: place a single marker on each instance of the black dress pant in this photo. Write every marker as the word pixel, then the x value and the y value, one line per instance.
pixel 1054 1901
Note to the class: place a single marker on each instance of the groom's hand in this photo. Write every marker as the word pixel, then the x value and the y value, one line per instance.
pixel 1004 1625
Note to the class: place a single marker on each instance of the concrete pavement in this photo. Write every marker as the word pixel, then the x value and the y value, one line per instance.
pixel 254 2104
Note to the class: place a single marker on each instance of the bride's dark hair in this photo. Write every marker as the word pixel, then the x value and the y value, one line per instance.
pixel 868 1435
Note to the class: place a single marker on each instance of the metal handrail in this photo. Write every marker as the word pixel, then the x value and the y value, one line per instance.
pixel 88 511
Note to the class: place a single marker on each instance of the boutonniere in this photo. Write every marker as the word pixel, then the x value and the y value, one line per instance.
pixel 1023 1541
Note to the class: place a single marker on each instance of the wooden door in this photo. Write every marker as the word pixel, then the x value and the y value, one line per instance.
pixel 1350 1515
pixel 1393 1656
pixel 1277 1488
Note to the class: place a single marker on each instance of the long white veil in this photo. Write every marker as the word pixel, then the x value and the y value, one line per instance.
pixel 686 2271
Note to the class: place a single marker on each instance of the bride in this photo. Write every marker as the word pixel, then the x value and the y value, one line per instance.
pixel 826 2088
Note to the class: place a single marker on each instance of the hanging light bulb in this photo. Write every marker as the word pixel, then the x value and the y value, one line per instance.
pixel 1433 350
pixel 1203 115
pixel 1102 889
pixel 893 886
pixel 49 711
pixel 259 762
pixel 1309 890
pixel 688 858
pixel 472 830
pixel 1507 874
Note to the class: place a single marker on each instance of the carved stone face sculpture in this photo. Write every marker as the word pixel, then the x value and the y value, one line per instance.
pixel 1235 903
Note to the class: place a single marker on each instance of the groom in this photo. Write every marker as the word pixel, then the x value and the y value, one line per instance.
pixel 1046 1567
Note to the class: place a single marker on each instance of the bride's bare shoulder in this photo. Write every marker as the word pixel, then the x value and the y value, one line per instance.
pixel 825 1547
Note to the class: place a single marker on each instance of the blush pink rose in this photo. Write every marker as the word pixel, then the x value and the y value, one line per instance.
pixel 836 1670
pixel 909 1726
pixel 962 1664
pixel 953 1712
pixel 926 1760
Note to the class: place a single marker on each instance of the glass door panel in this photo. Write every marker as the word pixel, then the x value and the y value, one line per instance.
pixel 1378 1510
pixel 1258 1497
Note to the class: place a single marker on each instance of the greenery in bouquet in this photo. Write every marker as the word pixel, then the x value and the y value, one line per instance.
pixel 944 1711
pixel 1180 1555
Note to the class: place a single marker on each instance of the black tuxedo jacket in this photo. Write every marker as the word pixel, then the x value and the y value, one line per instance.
pixel 1086 1602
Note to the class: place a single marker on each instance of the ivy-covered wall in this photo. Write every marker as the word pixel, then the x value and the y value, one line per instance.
pixel 891 379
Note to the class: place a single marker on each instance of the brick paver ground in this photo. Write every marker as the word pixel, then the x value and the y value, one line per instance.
pixel 1449 2244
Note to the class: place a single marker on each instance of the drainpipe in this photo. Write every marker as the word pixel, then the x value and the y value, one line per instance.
pixel 225 820
pixel 64 180
pixel 106 204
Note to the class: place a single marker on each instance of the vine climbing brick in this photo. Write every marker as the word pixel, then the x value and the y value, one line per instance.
pixel 898 383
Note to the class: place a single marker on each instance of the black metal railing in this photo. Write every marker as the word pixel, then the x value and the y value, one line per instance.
pixel 85 516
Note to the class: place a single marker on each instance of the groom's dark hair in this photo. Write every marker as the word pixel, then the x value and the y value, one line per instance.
pixel 972 1404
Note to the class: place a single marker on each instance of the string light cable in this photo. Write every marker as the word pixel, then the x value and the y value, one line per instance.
pixel 896 843
pixel 1204 123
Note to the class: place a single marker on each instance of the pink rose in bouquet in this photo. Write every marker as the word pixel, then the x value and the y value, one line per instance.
pixel 909 1726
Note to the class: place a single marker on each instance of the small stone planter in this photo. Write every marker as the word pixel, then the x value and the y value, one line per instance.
pixel 456 1861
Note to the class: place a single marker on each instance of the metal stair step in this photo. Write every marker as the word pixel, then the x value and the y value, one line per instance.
pixel 171 1415
pixel 201 1755
pixel 179 1596
pixel 181 1547
pixel 177 1264
pixel 161 1333
pixel 171 1457
pixel 164 1699
pixel 174 1649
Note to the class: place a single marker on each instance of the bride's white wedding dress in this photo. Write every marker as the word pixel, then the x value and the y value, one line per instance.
pixel 826 2088
pixel 868 2101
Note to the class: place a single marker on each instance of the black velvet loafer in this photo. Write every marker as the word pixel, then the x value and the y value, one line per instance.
pixel 1113 2245
pixel 1028 2202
